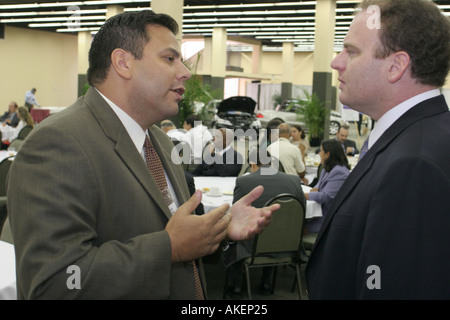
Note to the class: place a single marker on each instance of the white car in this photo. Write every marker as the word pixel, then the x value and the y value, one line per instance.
pixel 287 113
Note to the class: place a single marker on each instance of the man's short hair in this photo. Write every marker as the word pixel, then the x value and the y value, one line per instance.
pixel 127 31
pixel 167 124
pixel 191 119
pixel 419 28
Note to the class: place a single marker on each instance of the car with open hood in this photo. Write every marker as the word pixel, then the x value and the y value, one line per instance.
pixel 237 112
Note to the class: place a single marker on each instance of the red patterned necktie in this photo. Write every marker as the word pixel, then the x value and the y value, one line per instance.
pixel 156 169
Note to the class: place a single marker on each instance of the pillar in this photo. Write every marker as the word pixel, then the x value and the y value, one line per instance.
pixel 323 55
pixel 84 44
pixel 288 71
pixel 173 8
pixel 219 59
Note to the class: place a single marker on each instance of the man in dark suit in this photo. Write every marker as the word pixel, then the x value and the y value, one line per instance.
pixel 10 117
pixel 386 234
pixel 349 146
pixel 222 160
pixel 97 208
pixel 274 183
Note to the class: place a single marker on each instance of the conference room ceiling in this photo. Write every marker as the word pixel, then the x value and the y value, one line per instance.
pixel 267 21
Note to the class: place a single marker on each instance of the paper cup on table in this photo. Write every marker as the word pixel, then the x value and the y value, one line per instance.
pixel 215 191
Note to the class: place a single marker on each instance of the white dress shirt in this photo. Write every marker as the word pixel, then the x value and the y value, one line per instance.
pixel 137 135
pixel 395 113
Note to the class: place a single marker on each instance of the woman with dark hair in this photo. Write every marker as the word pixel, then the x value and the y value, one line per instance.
pixel 298 138
pixel 335 171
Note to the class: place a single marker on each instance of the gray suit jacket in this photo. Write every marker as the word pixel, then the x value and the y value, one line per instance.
pixel 79 193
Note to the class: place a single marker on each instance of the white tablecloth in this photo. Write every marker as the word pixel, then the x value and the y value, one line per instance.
pixel 7 272
pixel 226 184
pixel 7 132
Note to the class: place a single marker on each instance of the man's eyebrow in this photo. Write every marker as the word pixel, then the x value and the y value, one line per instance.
pixel 176 53
pixel 350 46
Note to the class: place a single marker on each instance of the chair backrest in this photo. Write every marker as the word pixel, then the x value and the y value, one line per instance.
pixel 24 132
pixel 284 234
pixel 16 144
pixel 4 168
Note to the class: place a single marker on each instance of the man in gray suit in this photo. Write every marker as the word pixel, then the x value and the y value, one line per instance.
pixel 88 218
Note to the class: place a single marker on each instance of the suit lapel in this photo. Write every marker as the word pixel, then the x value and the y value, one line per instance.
pixel 423 110
pixel 125 148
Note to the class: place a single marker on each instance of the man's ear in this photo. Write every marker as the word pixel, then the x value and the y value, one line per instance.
pixel 400 64
pixel 120 62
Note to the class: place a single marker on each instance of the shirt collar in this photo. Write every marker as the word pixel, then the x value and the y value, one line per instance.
pixel 135 131
pixel 395 113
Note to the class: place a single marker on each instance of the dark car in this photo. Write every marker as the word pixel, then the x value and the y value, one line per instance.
pixel 237 113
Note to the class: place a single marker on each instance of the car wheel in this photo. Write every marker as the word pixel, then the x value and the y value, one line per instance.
pixel 334 127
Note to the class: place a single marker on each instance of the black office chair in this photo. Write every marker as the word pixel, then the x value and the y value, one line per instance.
pixel 280 243
pixel 24 132
pixel 4 169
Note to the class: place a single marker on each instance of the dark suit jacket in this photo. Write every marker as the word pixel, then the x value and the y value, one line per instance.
pixel 229 165
pixel 79 193
pixel 392 213
pixel 14 121
pixel 273 185
pixel 350 143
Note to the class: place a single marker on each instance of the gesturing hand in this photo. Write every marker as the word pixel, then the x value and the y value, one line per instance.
pixel 193 236
pixel 247 221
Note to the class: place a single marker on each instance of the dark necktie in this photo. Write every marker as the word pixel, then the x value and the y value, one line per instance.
pixel 364 149
pixel 156 169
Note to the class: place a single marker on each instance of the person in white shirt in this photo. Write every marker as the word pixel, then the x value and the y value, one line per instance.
pixel 13 132
pixel 30 99
pixel 288 154
pixel 198 135
pixel 175 134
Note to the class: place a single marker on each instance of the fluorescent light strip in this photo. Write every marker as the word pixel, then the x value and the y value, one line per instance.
pixel 254 5
pixel 66 4
pixel 51 13
pixel 77 29
pixel 248 19
pixel 247 13
pixel 231 25
pixel 30 20
pixel 65 24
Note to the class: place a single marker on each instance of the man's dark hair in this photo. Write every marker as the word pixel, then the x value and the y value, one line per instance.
pixel 127 31
pixel 419 28
pixel 191 119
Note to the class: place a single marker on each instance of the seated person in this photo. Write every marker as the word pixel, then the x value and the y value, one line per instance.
pixel 274 184
pixel 289 155
pixel 198 136
pixel 335 170
pixel 10 117
pixel 25 120
pixel 349 146
pixel 171 130
pixel 222 160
